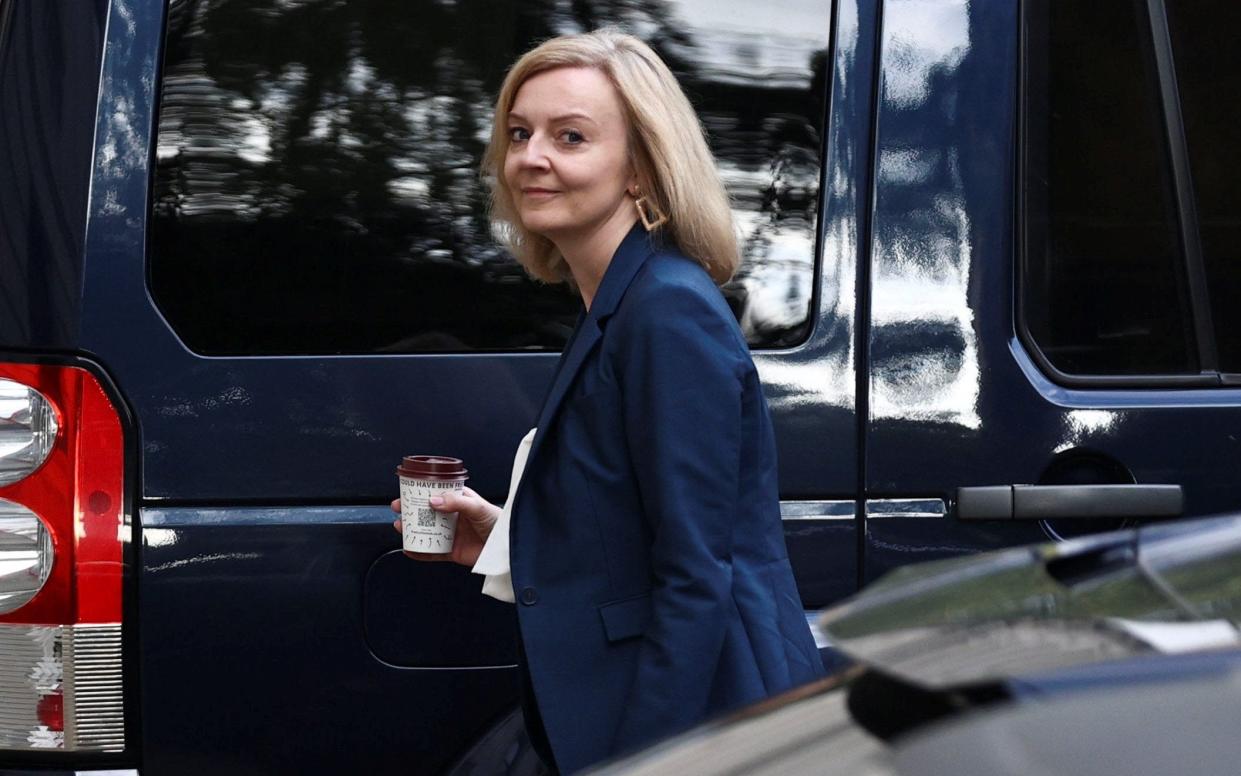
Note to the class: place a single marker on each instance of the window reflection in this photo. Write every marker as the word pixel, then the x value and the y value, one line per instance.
pixel 317 187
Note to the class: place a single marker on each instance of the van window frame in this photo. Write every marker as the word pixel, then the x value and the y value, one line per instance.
pixel 804 332
pixel 1189 239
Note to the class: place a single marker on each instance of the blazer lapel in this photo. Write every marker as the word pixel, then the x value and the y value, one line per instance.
pixel 630 255
pixel 584 342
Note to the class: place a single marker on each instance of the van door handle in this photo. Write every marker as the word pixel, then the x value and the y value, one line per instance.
pixel 1048 502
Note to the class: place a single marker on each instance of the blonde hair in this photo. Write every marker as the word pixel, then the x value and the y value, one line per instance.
pixel 674 166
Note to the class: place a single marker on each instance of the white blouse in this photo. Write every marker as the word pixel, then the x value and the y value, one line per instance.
pixel 493 560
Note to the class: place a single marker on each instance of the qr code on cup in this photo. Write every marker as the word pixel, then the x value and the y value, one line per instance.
pixel 426 517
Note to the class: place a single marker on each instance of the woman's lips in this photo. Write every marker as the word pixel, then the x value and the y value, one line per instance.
pixel 537 193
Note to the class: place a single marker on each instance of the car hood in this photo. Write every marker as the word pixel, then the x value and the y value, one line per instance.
pixel 1172 587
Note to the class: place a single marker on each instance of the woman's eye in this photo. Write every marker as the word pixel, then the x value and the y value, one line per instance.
pixel 518 134
pixel 571 136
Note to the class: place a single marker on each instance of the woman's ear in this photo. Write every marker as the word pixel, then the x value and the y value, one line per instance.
pixel 634 185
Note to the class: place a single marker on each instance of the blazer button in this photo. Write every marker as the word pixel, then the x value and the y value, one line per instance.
pixel 529 596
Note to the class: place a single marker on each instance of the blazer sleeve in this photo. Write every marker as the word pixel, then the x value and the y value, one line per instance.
pixel 680 376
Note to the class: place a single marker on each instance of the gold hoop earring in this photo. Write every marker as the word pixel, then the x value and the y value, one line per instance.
pixel 652 220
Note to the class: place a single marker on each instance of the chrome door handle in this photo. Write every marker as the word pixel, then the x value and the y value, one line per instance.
pixel 1048 502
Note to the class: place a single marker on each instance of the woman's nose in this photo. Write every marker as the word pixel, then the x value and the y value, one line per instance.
pixel 534 152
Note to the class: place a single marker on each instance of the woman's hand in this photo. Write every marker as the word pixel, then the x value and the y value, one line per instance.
pixel 475 518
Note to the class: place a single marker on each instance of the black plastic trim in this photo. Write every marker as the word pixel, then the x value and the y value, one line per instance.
pixel 989 502
pixel 1182 181
pixel 867 198
pixel 1056 502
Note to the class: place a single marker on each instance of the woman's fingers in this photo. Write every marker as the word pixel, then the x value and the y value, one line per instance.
pixel 479 515
pixel 467 504
pixel 451 501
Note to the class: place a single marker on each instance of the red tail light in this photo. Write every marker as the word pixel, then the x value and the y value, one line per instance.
pixel 63 533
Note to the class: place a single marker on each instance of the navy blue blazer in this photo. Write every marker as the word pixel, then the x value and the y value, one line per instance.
pixel 648 558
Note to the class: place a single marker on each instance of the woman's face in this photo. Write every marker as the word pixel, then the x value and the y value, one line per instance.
pixel 567 163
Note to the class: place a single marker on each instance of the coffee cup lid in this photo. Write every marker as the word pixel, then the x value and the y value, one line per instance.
pixel 435 467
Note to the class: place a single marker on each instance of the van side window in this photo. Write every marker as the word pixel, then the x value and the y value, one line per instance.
pixel 1104 288
pixel 319 192
pixel 1208 69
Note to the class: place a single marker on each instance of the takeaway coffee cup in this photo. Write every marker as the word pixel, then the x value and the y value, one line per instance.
pixel 422 476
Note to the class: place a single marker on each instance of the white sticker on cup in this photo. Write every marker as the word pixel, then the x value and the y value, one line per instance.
pixel 423 529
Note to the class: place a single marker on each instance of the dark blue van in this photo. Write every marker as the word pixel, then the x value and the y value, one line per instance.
pixel 990 265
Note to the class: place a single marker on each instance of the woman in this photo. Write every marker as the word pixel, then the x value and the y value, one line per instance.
pixel 647 553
